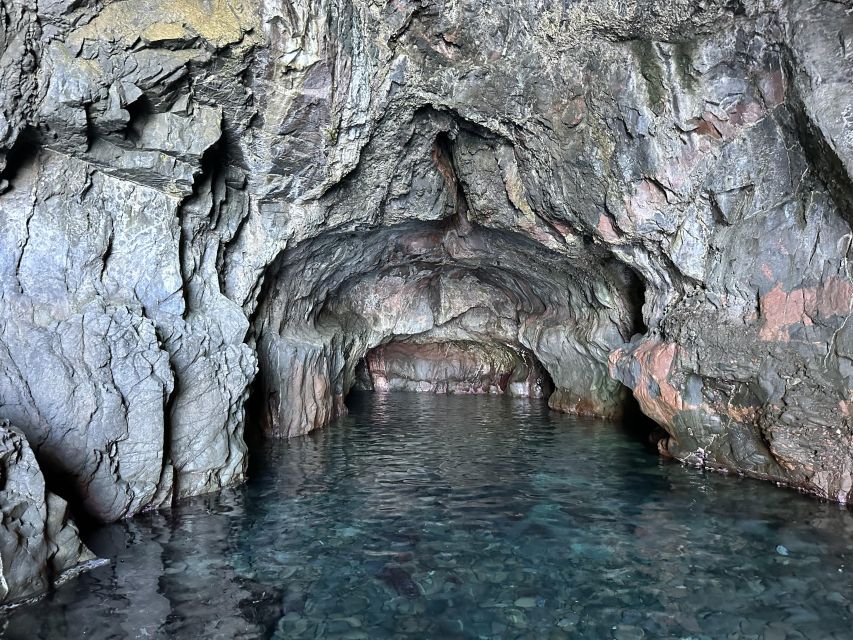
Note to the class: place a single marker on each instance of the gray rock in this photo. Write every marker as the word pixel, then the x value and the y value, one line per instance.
pixel 39 545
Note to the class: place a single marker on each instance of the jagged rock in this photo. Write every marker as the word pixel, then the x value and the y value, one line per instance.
pixel 39 545
pixel 644 197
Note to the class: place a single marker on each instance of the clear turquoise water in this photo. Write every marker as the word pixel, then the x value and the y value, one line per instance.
pixel 425 516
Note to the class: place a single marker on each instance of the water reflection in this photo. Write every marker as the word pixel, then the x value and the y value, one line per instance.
pixel 465 517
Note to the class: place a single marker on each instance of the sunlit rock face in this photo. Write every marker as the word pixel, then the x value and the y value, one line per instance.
pixel 637 197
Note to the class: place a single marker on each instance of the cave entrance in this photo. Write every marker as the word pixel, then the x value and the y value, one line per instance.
pixel 428 307
pixel 454 287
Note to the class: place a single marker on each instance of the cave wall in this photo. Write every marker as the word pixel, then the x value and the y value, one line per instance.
pixel 645 195
pixel 39 545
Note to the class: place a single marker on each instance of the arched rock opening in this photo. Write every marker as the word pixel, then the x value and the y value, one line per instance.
pixel 490 301
pixel 453 366
pixel 511 297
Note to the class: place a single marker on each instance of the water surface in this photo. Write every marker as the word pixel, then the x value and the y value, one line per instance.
pixel 424 516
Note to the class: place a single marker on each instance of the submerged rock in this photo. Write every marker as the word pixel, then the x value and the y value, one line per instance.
pixel 399 580
pixel 39 545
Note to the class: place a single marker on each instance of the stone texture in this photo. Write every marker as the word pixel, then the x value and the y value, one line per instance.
pixel 456 367
pixel 640 195
pixel 39 545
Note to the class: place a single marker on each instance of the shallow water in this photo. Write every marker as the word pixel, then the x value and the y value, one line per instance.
pixel 424 516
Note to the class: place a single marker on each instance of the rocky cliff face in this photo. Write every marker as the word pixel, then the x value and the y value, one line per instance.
pixel 640 197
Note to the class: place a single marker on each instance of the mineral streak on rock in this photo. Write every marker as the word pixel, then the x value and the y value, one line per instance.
pixel 199 198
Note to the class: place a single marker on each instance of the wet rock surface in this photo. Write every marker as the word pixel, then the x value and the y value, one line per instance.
pixel 196 197
pixel 39 545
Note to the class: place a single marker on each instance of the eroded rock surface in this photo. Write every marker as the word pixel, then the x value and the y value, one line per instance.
pixel 38 542
pixel 640 195
pixel 456 367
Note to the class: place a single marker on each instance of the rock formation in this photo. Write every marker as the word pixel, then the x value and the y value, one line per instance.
pixel 455 367
pixel 38 543
pixel 203 198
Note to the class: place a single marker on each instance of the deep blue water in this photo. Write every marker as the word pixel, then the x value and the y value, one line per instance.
pixel 424 516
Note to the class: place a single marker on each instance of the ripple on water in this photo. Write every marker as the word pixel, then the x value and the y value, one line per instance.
pixel 423 516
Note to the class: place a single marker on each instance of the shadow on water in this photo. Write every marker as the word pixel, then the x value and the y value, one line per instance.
pixel 465 517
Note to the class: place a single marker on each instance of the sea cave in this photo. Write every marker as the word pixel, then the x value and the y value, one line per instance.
pixel 425 318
